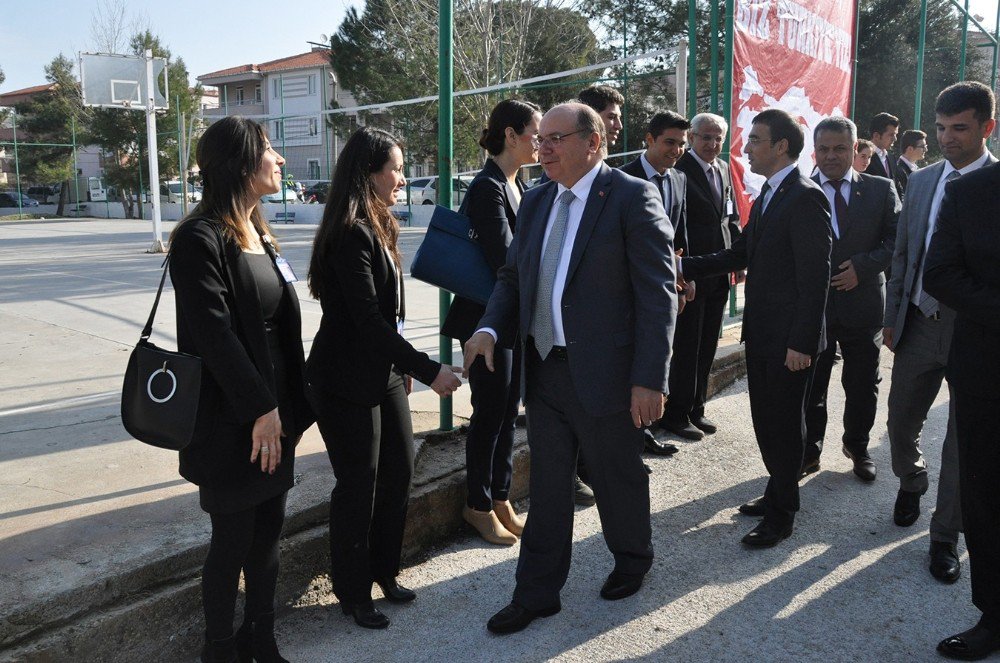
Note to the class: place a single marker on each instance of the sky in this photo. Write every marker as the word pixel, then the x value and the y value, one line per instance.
pixel 208 34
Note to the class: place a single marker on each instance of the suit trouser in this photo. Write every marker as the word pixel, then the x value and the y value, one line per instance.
pixel 559 428
pixel 860 348
pixel 371 450
pixel 977 421
pixel 918 368
pixel 696 339
pixel 777 407
pixel 489 443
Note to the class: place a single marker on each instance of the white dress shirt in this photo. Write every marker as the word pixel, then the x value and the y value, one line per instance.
pixel 918 284
pixel 909 163
pixel 883 156
pixel 581 191
pixel 712 172
pixel 775 181
pixel 846 187
pixel 650 173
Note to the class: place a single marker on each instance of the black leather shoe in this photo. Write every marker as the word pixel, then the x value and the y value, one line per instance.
pixel 649 470
pixel 582 494
pixel 704 424
pixel 366 615
pixel 394 592
pixel 907 508
pixel 753 508
pixel 766 534
pixel 809 466
pixel 515 617
pixel 945 565
pixel 864 466
pixel 219 651
pixel 683 429
pixel 976 643
pixel 656 447
pixel 621 585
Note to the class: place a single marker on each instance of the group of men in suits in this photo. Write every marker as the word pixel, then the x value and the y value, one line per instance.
pixel 611 323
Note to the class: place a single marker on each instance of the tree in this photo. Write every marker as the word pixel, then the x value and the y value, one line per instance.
pixel 51 117
pixel 122 133
pixel 389 52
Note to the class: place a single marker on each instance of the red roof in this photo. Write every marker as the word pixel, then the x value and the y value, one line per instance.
pixel 315 58
pixel 15 97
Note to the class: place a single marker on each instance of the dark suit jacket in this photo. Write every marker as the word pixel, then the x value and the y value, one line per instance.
pixel 493 214
pixel 902 175
pixel 962 271
pixel 357 343
pixel 619 303
pixel 868 241
pixel 678 199
pixel 786 253
pixel 219 319
pixel 709 228
pixel 875 167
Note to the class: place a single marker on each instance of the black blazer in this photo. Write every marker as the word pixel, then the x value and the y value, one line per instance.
pixel 358 343
pixel 903 171
pixel 708 227
pixel 786 253
pixel 678 199
pixel 962 271
pixel 875 167
pixel 493 215
pixel 867 241
pixel 219 319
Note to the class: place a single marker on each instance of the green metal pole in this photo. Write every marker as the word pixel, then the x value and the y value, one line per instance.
pixel 284 171
pixel 76 167
pixel 17 163
pixel 182 173
pixel 727 112
pixel 965 41
pixel 714 55
pixel 996 51
pixel 692 94
pixel 446 145
pixel 920 64
pixel 854 57
pixel 624 143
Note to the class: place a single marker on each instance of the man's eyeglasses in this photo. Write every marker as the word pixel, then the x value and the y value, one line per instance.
pixel 555 140
pixel 756 140
pixel 708 138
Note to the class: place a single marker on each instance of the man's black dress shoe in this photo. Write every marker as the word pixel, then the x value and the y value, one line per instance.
pixel 366 615
pixel 704 424
pixel 683 429
pixel 907 508
pixel 978 642
pixel 621 585
pixel 809 466
pixel 656 447
pixel 766 534
pixel 649 470
pixel 753 508
pixel 515 617
pixel 394 592
pixel 583 495
pixel 945 565
pixel 864 466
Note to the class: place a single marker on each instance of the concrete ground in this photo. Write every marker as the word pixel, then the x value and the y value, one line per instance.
pixel 88 516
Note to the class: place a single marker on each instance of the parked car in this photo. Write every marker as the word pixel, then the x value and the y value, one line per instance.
pixel 10 199
pixel 44 194
pixel 423 191
pixel 316 193
pixel 286 195
pixel 172 192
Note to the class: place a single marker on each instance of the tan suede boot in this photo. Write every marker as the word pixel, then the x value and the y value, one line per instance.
pixel 508 518
pixel 488 526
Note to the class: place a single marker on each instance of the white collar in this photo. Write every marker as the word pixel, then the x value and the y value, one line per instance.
pixel 909 163
pixel 648 167
pixel 582 187
pixel 704 164
pixel 849 176
pixel 879 151
pixel 779 177
pixel 975 165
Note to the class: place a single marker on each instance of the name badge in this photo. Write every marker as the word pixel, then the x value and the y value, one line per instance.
pixel 285 269
pixel 729 207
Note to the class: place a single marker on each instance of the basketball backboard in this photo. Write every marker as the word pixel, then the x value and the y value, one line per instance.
pixel 119 81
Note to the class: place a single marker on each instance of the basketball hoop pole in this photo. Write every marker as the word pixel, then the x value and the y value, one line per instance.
pixel 154 167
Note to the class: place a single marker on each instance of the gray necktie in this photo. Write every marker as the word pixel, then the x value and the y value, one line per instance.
pixel 542 315
pixel 927 304
pixel 715 181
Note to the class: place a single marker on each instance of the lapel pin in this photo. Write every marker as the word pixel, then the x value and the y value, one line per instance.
pixel 600 193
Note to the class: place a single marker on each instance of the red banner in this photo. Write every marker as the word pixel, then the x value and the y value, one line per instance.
pixel 790 54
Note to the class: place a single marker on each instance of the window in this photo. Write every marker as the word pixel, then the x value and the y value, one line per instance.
pixel 312 84
pixel 313 166
pixel 256 94
pixel 276 87
pixel 313 127
pixel 279 130
pixel 239 96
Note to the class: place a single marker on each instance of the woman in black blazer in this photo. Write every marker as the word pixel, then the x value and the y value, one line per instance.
pixel 238 312
pixel 360 372
pixel 511 138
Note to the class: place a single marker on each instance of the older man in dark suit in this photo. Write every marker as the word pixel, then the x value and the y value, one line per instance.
pixel 589 284
pixel 785 249
pixel 865 209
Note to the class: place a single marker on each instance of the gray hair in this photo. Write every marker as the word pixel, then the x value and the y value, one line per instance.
pixel 836 124
pixel 702 119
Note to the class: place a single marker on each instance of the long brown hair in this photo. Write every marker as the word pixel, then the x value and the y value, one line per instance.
pixel 352 200
pixel 229 154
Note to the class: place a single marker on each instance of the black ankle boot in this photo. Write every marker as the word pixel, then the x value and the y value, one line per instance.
pixel 244 641
pixel 219 651
pixel 264 648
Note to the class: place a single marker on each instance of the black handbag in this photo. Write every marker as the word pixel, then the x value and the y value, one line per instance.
pixel 161 390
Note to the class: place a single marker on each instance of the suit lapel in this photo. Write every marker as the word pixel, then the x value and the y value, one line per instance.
pixel 676 192
pixel 246 300
pixel 923 205
pixel 536 234
pixel 856 205
pixel 591 214
pixel 777 199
